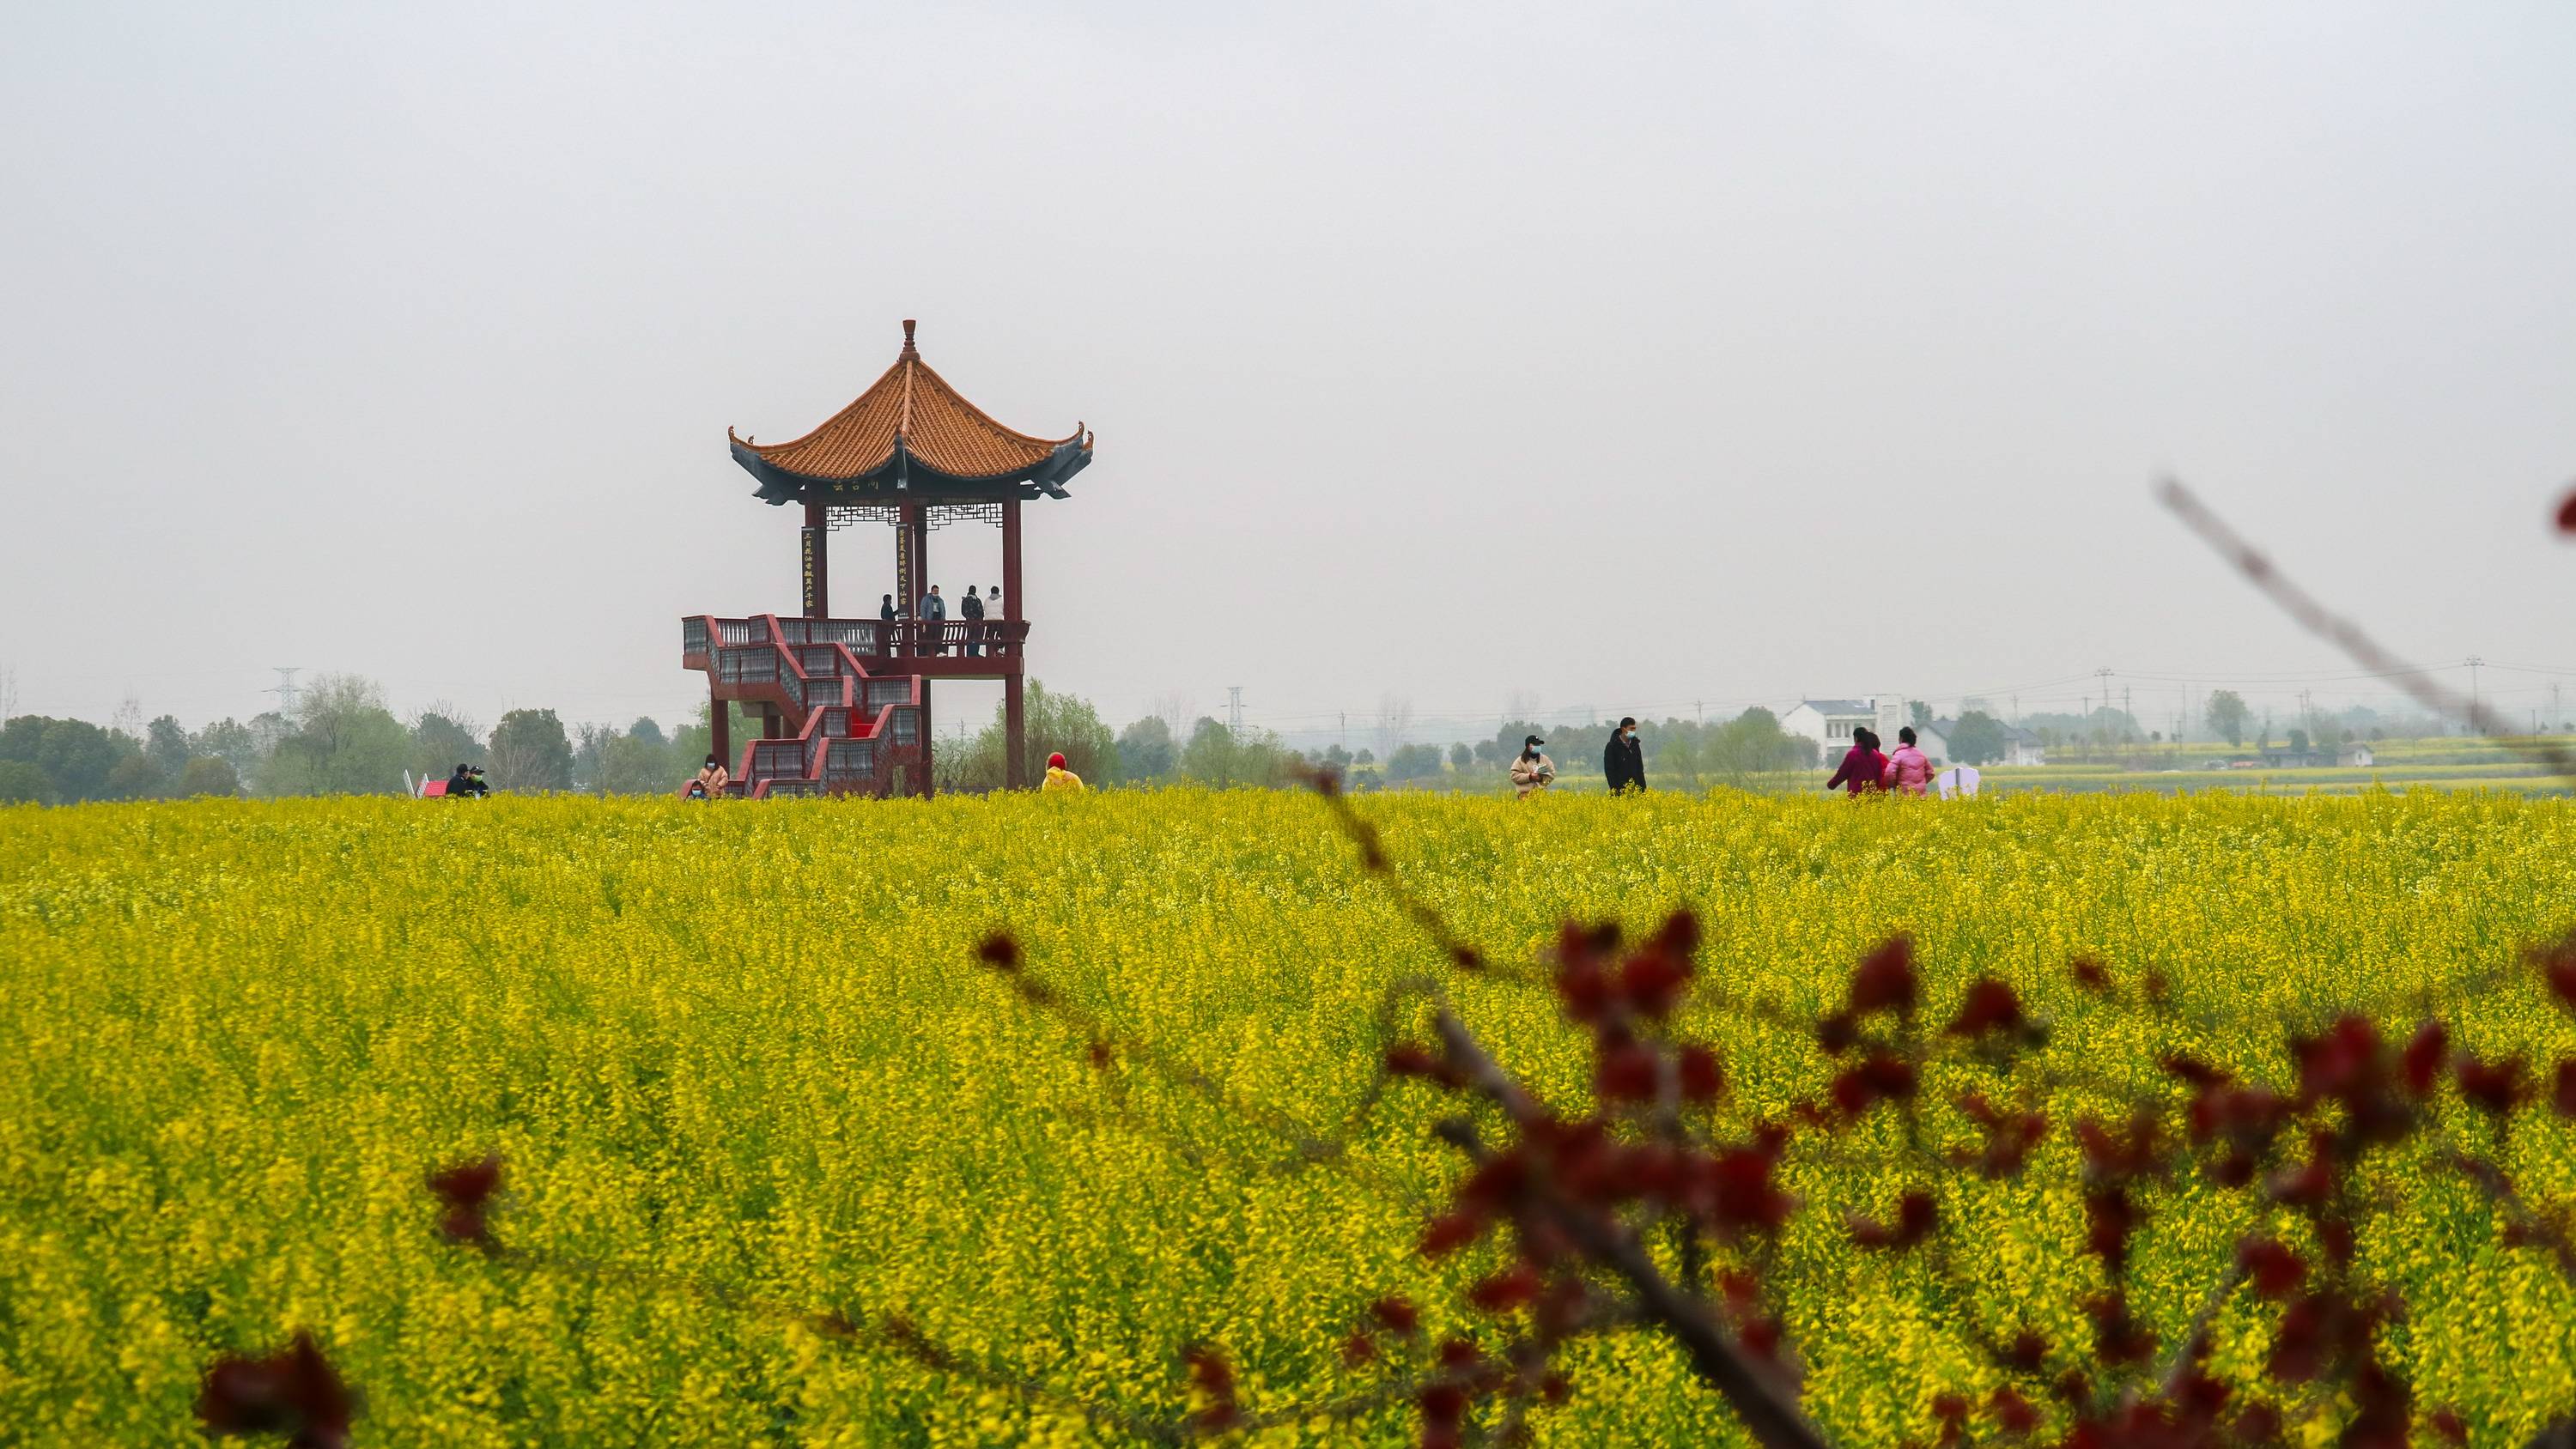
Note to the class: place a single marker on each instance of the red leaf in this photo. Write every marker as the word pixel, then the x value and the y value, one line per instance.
pixel 1652 982
pixel 1512 1287
pixel 2270 1266
pixel 1214 1378
pixel 2340 1062
pixel 2496 1087
pixel 1449 1232
pixel 2026 1352
pixel 1626 1072
pixel 2564 1099
pixel 2013 1413
pixel 1411 1061
pixel 1837 1033
pixel 1916 1215
pixel 1884 980
pixel 292 1391
pixel 1397 1315
pixel 1737 1191
pixel 1701 1078
pixel 467 1189
pixel 1585 989
pixel 1358 1349
pixel 2090 975
pixel 2447 1422
pixel 999 951
pixel 2558 968
pixel 2425 1052
pixel 1990 1006
pixel 2567 513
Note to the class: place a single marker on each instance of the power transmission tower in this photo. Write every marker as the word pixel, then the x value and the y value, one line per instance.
pixel 2105 676
pixel 285 689
pixel 1234 708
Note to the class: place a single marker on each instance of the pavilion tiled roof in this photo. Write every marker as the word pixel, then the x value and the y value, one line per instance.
pixel 914 411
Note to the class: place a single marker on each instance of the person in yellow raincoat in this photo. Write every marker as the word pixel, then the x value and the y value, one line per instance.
pixel 1060 778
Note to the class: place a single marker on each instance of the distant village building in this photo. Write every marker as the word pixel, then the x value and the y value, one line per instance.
pixel 2021 747
pixel 2355 754
pixel 1830 722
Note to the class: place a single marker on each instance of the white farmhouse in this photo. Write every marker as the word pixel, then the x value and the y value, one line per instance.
pixel 2021 747
pixel 1830 722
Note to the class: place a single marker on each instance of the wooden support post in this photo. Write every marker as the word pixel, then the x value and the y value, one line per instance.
pixel 719 727
pixel 907 566
pixel 1015 735
pixel 815 544
pixel 1015 744
pixel 928 757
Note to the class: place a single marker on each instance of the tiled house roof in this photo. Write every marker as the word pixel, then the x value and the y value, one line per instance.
pixel 911 424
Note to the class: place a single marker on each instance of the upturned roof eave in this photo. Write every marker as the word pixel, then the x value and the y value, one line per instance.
pixel 905 475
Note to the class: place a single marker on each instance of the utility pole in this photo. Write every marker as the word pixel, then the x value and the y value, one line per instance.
pixel 2124 702
pixel 2474 662
pixel 1234 709
pixel 2105 676
pixel 1699 708
pixel 2556 719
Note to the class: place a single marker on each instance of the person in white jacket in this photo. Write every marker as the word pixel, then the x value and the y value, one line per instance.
pixel 1531 770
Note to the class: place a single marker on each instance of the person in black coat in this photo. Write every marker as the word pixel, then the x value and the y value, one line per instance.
pixel 1624 762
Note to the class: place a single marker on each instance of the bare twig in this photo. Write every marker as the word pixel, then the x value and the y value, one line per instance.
pixel 2349 637
pixel 1768 1408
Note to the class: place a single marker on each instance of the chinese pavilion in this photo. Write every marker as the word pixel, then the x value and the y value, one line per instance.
pixel 845 703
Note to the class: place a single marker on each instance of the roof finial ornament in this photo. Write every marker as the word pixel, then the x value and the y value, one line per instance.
pixel 907 339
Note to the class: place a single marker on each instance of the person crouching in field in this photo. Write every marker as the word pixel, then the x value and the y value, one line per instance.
pixel 1060 778
pixel 1531 771
pixel 711 781
pixel 1909 770
pixel 1863 769
pixel 1624 762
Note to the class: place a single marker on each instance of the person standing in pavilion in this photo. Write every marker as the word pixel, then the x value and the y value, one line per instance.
pixel 885 610
pixel 933 612
pixel 1624 762
pixel 971 608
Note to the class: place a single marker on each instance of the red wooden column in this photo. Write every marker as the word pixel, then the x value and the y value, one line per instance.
pixel 719 726
pixel 815 558
pixel 920 532
pixel 1015 745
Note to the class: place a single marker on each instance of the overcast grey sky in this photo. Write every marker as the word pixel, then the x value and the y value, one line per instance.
pixel 1619 355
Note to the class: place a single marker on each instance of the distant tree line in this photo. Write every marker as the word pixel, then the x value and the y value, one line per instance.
pixel 340 738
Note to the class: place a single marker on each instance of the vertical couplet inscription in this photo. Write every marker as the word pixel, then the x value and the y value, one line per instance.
pixel 809 543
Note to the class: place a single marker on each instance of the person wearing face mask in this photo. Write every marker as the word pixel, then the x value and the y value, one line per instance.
pixel 1531 771
pixel 1624 762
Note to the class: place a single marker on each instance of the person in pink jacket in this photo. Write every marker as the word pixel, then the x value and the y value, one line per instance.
pixel 1909 770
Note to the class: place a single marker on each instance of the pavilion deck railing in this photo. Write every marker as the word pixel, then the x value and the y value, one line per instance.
pixel 877 639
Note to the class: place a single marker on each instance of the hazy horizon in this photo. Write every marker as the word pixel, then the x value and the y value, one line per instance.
pixel 1642 359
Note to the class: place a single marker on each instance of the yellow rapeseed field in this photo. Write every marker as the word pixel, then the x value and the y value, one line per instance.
pixel 747 1044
